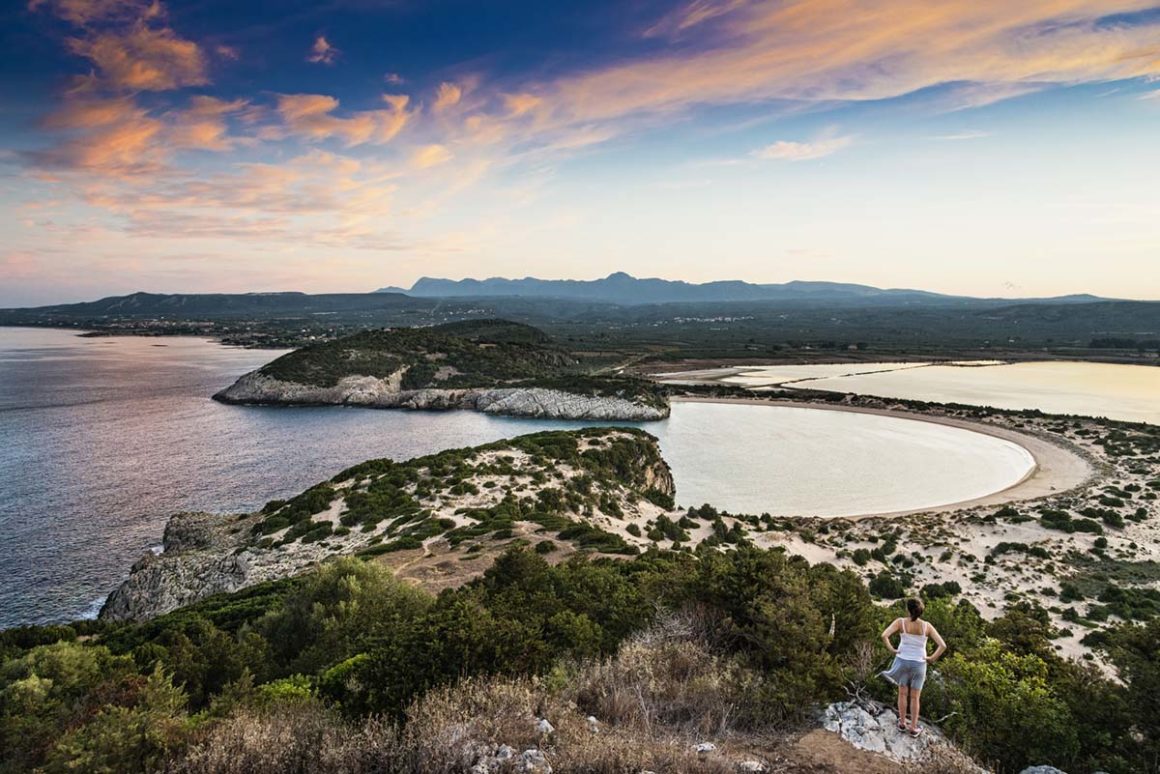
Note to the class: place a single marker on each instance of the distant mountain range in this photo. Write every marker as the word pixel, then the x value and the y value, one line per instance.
pixel 197 305
pixel 711 319
pixel 622 288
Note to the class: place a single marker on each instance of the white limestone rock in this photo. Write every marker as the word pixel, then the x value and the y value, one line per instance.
pixel 262 389
pixel 871 726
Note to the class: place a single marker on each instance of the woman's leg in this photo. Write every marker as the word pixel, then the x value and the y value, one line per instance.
pixel 914 698
pixel 902 691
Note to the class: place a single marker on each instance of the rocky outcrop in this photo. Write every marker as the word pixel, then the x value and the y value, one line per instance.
pixel 367 391
pixel 206 554
pixel 199 559
pixel 871 726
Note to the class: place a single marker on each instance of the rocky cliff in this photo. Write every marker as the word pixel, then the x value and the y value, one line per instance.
pixel 583 488
pixel 198 560
pixel 259 388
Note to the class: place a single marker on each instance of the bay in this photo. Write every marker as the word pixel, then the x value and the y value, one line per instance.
pixel 102 439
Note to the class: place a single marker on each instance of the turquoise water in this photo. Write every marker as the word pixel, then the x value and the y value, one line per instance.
pixel 101 439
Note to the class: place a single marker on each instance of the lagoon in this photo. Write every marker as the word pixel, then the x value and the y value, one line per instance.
pixel 1130 393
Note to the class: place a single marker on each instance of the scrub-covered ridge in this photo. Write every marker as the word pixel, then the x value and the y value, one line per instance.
pixel 593 489
pixel 494 366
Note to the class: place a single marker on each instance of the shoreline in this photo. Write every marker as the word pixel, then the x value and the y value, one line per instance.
pixel 1055 469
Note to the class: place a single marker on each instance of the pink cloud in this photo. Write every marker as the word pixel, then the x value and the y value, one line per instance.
pixel 143 59
pixel 86 12
pixel 448 95
pixel 431 156
pixel 203 126
pixel 311 116
pixel 114 137
pixel 322 52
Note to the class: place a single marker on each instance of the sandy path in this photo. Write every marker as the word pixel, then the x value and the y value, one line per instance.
pixel 1057 469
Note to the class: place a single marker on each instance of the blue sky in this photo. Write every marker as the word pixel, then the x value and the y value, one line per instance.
pixel 984 148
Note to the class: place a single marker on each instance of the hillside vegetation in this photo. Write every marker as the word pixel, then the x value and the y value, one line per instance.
pixel 349 669
pixel 468 354
pixel 803 324
pixel 346 667
pixel 586 489
pixel 459 355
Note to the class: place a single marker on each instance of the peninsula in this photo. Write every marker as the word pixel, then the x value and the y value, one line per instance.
pixel 493 366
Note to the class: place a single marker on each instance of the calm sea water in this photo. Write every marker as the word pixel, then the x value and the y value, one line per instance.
pixel 101 439
pixel 1130 393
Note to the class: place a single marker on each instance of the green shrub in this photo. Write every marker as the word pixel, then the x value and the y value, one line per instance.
pixel 941 590
pixel 1004 708
pixel 659 498
pixel 887 586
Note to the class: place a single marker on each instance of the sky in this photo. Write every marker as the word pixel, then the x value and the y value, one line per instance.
pixel 963 146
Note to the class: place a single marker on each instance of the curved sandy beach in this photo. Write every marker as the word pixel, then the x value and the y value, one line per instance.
pixel 1056 469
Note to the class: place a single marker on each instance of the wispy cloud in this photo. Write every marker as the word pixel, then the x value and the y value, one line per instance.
pixel 789 150
pixel 843 50
pixel 448 95
pixel 144 59
pixel 312 117
pixel 431 156
pixel 322 52
pixel 129 45
pixel 967 134
pixel 86 12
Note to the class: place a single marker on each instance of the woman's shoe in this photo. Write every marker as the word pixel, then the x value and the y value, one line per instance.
pixel 916 732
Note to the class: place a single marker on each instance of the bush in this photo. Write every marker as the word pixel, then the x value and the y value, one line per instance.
pixel 338 609
pixel 1005 709
pixel 659 498
pixel 887 586
pixel 69 706
pixel 941 590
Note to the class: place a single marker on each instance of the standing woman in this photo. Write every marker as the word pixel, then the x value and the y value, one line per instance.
pixel 908 671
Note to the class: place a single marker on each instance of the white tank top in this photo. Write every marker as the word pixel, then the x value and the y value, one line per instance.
pixel 912 647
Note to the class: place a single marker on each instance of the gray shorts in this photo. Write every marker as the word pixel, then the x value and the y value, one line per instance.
pixel 911 674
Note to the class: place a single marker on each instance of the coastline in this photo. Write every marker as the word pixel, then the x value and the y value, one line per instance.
pixel 1055 469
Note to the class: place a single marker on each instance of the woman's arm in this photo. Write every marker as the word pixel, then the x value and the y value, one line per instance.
pixel 891 629
pixel 942 646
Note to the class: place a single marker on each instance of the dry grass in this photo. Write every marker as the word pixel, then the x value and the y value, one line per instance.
pixel 944 759
pixel 293 738
pixel 663 693
pixel 453 729
pixel 654 684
